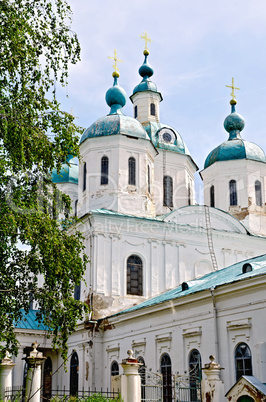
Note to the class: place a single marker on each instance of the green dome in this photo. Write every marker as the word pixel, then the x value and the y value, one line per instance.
pixel 68 173
pixel 115 124
pixel 235 147
pixel 153 129
pixel 146 71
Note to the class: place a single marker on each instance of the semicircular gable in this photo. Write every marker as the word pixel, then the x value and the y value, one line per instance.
pixel 197 216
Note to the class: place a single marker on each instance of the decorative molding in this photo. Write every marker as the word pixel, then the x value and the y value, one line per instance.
pixel 164 337
pixel 139 342
pixel 238 324
pixel 187 333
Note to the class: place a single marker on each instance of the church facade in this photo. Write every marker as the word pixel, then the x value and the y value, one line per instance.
pixel 166 276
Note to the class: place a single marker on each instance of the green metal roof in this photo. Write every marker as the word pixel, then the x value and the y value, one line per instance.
pixel 231 274
pixel 29 321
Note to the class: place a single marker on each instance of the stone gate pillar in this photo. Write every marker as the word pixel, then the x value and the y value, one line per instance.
pixel 6 368
pixel 130 379
pixel 212 388
pixel 34 377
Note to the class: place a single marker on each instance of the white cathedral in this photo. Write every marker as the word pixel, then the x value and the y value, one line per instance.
pixel 172 280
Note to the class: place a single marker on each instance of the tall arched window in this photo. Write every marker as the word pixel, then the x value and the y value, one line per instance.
pixel 258 194
pixel 233 192
pixel 76 208
pixel 142 373
pixel 212 201
pixel 194 363
pixel 132 171
pixel 152 109
pixel 104 170
pixel 77 292
pixel 166 371
pixel 114 368
pixel 84 176
pixel 136 111
pixel 74 374
pixel 167 191
pixel 243 360
pixel 134 276
pixel 189 194
pixel 47 379
pixel 149 179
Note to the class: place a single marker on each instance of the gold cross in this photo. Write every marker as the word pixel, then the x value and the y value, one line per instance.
pixel 146 38
pixel 116 60
pixel 233 89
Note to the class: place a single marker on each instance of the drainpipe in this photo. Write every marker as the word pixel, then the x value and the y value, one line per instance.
pixel 216 336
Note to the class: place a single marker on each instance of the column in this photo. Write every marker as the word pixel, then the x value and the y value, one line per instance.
pixel 33 381
pixel 212 388
pixel 130 379
pixel 6 368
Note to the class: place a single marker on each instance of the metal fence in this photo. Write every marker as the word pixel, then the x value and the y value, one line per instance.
pixel 17 394
pixel 152 388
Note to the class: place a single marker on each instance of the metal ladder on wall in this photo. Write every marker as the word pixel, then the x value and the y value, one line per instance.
pixel 209 237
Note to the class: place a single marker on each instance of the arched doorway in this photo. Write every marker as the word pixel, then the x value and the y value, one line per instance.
pixel 166 371
pixel 47 379
pixel 245 398
pixel 74 374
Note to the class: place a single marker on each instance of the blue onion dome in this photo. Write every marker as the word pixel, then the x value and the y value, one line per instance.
pixel 115 122
pixel 69 172
pixel 116 96
pixel 235 147
pixel 146 71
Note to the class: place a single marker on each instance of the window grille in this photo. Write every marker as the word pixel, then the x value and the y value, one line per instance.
pixel 258 193
pixel 233 192
pixel 84 176
pixel 132 171
pixel 243 360
pixel 152 109
pixel 134 276
pixel 114 368
pixel 104 170
pixel 167 191
pixel 212 201
pixel 166 371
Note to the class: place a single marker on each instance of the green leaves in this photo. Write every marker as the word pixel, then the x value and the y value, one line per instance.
pixel 39 259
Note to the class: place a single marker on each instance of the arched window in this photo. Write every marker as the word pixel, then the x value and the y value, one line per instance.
pixel 152 109
pixel 142 373
pixel 166 371
pixel 114 368
pixel 84 176
pixel 167 191
pixel 212 202
pixel 76 208
pixel 132 171
pixel 77 292
pixel 258 193
pixel 243 360
pixel 194 363
pixel 74 374
pixel 134 276
pixel 136 111
pixel 149 179
pixel 189 194
pixel 233 193
pixel 47 379
pixel 104 170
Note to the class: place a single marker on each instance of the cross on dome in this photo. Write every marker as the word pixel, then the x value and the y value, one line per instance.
pixel 233 90
pixel 145 37
pixel 116 72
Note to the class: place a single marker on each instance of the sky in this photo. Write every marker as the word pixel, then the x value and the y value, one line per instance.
pixel 197 47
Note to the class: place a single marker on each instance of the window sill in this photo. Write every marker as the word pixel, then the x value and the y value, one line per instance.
pixel 131 188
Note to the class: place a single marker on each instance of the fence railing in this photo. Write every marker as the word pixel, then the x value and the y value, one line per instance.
pixel 17 394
